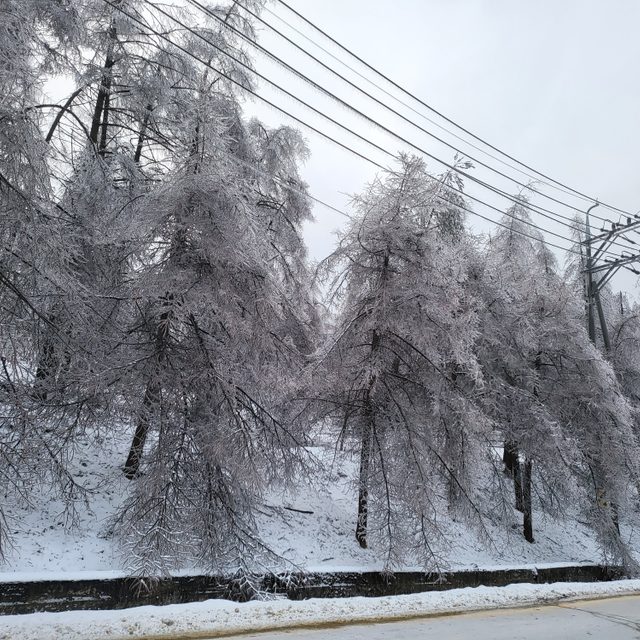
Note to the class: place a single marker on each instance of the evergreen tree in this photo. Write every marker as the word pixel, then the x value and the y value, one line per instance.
pixel 399 372
pixel 548 388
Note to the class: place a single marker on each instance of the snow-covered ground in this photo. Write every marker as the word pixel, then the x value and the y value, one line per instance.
pixel 47 546
pixel 221 617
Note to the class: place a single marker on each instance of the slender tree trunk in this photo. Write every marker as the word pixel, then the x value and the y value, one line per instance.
pixel 103 92
pixel 513 468
pixel 45 370
pixel 609 508
pixel 363 490
pixel 615 518
pixel 365 452
pixel 525 469
pixel 518 486
pixel 510 457
pixel 151 397
pixel 105 118
pixel 52 362
pixel 366 438
pixel 141 135
pixel 455 452
pixel 526 500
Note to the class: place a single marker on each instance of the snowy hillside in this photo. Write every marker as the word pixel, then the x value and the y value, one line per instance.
pixel 311 528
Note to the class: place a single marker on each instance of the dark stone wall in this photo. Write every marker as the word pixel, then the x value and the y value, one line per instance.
pixel 379 584
pixel 119 593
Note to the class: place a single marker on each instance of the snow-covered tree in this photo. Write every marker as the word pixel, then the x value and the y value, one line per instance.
pixel 219 331
pixel 178 296
pixel 560 411
pixel 399 373
pixel 34 38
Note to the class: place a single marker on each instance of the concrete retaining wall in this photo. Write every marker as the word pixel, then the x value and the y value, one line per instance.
pixel 119 593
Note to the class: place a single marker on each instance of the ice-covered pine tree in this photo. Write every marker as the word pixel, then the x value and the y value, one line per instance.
pixel 550 392
pixel 107 153
pixel 35 36
pixel 221 328
pixel 522 296
pixel 398 375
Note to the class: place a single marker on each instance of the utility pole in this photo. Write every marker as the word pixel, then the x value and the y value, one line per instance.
pixel 599 271
pixel 591 323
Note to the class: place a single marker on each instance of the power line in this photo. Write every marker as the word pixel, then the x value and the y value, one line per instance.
pixel 347 129
pixel 357 88
pixel 343 126
pixel 284 185
pixel 321 133
pixel 346 147
pixel 441 115
pixel 369 119
pixel 412 109
pixel 551 215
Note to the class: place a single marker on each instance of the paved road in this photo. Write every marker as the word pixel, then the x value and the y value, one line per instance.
pixel 610 619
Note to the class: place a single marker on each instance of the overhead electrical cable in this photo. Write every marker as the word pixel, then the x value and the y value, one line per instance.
pixel 445 118
pixel 426 118
pixel 533 208
pixel 341 144
pixel 530 206
pixel 348 130
pixel 369 119
pixel 362 91
pixel 299 191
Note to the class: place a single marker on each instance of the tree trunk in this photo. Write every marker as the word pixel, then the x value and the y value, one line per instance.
pixel 151 396
pixel 518 488
pixel 608 507
pixel 526 500
pixel 53 362
pixel 527 466
pixel 615 518
pixel 365 453
pixel 105 119
pixel 45 370
pixel 510 457
pixel 455 451
pixel 513 468
pixel 141 135
pixel 103 92
pixel 363 492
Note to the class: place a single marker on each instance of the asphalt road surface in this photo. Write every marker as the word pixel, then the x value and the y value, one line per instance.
pixel 608 619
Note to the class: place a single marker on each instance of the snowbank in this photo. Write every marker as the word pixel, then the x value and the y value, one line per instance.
pixel 220 617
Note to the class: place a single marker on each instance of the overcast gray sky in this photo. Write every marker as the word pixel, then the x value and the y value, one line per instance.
pixel 553 83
